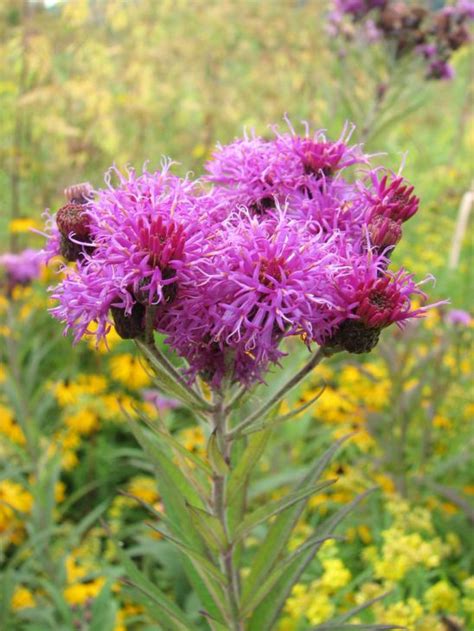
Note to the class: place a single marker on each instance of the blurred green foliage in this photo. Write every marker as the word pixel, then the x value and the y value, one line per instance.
pixel 85 84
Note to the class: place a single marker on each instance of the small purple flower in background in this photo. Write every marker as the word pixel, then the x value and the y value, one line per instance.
pixel 440 69
pixel 162 403
pixel 458 317
pixel 21 268
pixel 406 28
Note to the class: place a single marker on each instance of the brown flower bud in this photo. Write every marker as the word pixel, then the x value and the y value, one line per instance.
pixel 129 326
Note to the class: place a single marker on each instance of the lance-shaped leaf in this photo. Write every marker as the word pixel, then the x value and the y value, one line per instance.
pixel 172 616
pixel 162 463
pixel 175 445
pixel 275 507
pixel 281 568
pixel 175 490
pixel 278 420
pixel 218 464
pixel 265 615
pixel 104 610
pixel 336 626
pixel 347 615
pixel 248 460
pixel 203 562
pixel 279 533
pixel 171 382
pixel 209 527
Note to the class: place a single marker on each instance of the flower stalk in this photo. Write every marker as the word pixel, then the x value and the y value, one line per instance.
pixel 220 419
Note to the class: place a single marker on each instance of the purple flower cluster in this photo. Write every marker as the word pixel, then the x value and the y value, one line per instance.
pixel 283 237
pixel 407 28
pixel 21 268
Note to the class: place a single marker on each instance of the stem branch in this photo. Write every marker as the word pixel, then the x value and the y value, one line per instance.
pixel 282 392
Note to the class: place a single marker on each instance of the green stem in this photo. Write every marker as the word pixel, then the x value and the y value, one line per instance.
pixel 282 392
pixel 219 484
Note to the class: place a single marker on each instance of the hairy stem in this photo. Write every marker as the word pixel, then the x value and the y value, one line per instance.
pixel 172 372
pixel 220 420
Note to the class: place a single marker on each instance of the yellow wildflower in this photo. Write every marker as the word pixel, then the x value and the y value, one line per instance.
pixel 442 597
pixel 129 371
pixel 23 224
pixel 10 428
pixel 145 488
pixel 22 598
pixel 79 593
pixel 14 499
pixel 84 421
pixel 193 439
pixel 320 607
pixel 335 576
pixel 406 613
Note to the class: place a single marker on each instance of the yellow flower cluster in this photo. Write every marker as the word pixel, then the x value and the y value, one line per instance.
pixel 15 502
pixel 314 601
pixel 10 428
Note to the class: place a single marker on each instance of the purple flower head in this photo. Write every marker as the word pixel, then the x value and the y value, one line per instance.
pixel 269 280
pixel 462 10
pixel 428 51
pixel 258 174
pixel 391 197
pixel 440 69
pixel 156 398
pixel 316 156
pixel 373 299
pixel 250 172
pixel 458 317
pixel 358 8
pixel 384 232
pixel 145 233
pixel 21 268
pixel 465 9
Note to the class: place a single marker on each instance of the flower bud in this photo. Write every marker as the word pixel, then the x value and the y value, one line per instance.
pixel 129 326
pixel 354 336
pixel 384 232
pixel 72 220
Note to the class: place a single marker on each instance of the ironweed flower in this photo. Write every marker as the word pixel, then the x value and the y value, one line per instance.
pixel 373 299
pixel 73 224
pixel 289 241
pixel 406 28
pixel 21 268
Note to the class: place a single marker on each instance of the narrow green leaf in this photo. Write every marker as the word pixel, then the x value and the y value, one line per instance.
pixel 218 464
pixel 281 568
pixel 278 534
pixel 267 612
pixel 199 558
pixel 357 610
pixel 175 490
pixel 168 383
pixel 277 506
pixel 164 465
pixel 278 420
pixel 355 627
pixel 209 527
pixel 176 446
pixel 104 610
pixel 172 615
pixel 248 460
